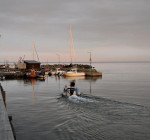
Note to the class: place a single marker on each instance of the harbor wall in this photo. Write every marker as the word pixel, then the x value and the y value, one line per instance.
pixel 6 132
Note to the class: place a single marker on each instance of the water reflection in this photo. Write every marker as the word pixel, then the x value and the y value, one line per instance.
pixel 75 78
pixel 90 79
pixel 33 93
pixel 93 78
pixel 33 82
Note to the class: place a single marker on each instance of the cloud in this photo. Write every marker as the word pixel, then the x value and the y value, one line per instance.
pixel 94 24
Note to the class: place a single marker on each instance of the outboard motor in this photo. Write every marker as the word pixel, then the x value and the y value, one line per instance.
pixel 78 92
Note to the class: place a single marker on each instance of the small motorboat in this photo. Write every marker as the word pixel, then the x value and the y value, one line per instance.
pixel 31 74
pixel 41 75
pixel 2 77
pixel 71 91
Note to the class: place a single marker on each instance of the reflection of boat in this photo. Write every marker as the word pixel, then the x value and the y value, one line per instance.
pixel 75 78
pixel 93 78
pixel 74 73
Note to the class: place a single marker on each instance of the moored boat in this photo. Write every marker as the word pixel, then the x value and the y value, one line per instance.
pixel 32 74
pixel 2 77
pixel 58 71
pixel 41 76
pixel 74 73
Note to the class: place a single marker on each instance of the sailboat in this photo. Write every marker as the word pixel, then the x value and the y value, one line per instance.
pixel 73 72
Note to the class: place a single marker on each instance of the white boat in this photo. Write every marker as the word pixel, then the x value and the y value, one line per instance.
pixel 74 73
pixel 47 72
pixel 58 71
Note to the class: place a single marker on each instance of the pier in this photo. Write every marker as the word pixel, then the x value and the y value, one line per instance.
pixel 6 132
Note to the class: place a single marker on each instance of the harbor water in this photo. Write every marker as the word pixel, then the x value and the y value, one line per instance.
pixel 115 106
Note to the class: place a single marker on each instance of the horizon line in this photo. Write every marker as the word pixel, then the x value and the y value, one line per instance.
pixel 89 62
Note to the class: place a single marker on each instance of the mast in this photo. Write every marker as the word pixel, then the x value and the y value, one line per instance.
pixel 73 50
pixel 33 50
pixel 70 43
pixel 90 61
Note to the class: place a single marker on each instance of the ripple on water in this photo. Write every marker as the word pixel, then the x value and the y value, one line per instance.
pixel 100 118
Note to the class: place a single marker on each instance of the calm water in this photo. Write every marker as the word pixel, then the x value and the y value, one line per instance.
pixel 114 107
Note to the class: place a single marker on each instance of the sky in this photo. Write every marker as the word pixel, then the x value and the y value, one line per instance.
pixel 113 30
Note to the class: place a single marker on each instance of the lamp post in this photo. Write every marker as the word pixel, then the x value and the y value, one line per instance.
pixel 58 57
pixel 90 61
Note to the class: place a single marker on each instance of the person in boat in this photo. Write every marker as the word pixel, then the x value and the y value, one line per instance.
pixel 65 89
pixel 72 87
pixel 68 92
pixel 72 84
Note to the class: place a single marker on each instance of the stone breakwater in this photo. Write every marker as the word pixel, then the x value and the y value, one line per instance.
pixel 10 73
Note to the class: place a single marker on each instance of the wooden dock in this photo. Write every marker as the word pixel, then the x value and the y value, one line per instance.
pixel 9 75
pixel 6 132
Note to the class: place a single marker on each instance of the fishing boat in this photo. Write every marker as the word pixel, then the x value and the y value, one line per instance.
pixel 32 74
pixel 74 73
pixel 41 75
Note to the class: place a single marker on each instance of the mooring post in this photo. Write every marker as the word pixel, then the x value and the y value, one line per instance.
pixel 4 97
pixel 3 94
pixel 1 87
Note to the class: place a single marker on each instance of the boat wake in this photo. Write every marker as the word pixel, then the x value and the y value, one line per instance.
pixel 79 99
pixel 86 113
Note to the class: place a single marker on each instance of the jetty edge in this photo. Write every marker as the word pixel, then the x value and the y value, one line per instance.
pixel 16 73
pixel 6 132
pixel 87 69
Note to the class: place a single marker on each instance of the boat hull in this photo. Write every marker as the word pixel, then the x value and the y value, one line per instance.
pixel 78 74
pixel 66 95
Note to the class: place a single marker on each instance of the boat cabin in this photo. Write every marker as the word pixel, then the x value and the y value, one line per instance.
pixel 32 64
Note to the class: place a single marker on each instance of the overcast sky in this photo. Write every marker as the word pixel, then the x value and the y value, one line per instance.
pixel 114 30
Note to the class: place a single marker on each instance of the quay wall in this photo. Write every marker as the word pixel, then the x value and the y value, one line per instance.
pixel 6 132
